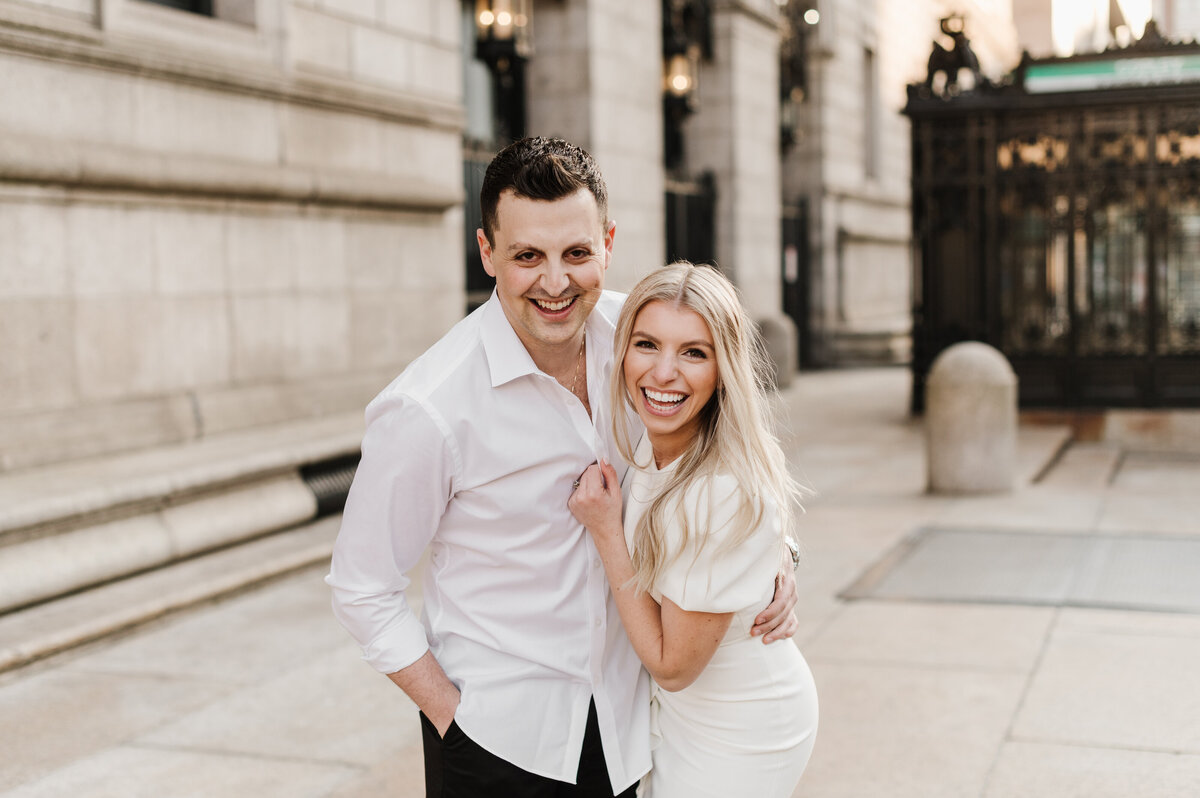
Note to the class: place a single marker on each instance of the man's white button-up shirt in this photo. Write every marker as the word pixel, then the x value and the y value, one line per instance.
pixel 471 453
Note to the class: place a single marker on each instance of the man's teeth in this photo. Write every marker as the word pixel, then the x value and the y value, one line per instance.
pixel 554 306
pixel 665 398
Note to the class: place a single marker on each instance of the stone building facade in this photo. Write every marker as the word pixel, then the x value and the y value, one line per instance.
pixel 209 223
pixel 218 216
pixel 850 166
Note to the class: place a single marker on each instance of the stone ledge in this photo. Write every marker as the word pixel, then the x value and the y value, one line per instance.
pixel 48 629
pixel 75 42
pixel 50 566
pixel 29 159
pixel 66 495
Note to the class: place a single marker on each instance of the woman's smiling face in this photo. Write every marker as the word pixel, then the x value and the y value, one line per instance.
pixel 670 371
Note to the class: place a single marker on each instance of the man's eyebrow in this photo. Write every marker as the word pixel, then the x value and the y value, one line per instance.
pixel 517 246
pixel 587 243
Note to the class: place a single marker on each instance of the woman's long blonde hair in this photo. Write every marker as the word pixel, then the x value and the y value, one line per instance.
pixel 735 437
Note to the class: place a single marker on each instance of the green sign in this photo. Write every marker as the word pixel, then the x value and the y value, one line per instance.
pixel 1090 75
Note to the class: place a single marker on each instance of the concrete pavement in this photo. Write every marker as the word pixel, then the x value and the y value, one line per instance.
pixel 1010 695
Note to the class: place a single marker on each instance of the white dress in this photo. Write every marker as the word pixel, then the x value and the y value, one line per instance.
pixel 746 726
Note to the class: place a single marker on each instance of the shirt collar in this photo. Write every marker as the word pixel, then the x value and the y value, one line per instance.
pixel 508 358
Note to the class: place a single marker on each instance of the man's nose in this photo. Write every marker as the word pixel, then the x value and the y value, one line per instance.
pixel 554 277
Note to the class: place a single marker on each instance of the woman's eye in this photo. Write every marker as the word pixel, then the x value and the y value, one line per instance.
pixel 696 353
pixel 644 345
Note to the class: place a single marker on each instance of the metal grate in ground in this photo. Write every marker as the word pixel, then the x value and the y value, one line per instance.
pixel 1139 572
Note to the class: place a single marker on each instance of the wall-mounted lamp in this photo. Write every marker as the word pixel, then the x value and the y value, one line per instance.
pixel 797 18
pixel 502 30
pixel 504 41
pixel 680 78
pixel 687 36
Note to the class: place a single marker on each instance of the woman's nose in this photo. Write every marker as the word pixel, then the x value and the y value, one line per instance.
pixel 664 368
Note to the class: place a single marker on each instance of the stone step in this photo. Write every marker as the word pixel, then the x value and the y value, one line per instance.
pixel 68 527
pixel 37 632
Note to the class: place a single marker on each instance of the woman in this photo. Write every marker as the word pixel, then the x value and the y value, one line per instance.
pixel 708 499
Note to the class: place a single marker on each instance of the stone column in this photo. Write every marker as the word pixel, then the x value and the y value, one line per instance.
pixel 596 80
pixel 735 135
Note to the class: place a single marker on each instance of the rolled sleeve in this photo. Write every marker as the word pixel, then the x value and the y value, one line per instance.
pixel 392 513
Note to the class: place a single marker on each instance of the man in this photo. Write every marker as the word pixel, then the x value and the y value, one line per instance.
pixel 526 682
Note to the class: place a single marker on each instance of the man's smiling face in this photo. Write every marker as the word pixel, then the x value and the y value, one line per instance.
pixel 549 260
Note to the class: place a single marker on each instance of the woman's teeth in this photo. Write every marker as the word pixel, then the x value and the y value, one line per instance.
pixel 664 399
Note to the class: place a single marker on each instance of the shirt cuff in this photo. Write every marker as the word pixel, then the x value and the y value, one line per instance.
pixel 398 646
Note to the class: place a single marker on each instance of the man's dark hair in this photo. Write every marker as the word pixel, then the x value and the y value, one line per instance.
pixel 540 169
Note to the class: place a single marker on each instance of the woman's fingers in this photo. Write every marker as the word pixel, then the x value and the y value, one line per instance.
pixel 610 476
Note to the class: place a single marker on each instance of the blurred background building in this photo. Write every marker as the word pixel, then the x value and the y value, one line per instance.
pixel 217 215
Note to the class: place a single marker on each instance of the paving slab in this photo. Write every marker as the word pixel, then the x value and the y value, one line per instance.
pixel 1115 689
pixel 133 772
pixel 1088 466
pixel 1173 475
pixel 399 775
pixel 1035 509
pixel 906 732
pixel 241 640
pixel 988 638
pixel 1132 624
pixel 53 718
pixel 1070 771
pixel 1133 510
pixel 363 719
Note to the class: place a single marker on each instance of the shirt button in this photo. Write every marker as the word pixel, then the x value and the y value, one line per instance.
pixel 596 563
pixel 596 622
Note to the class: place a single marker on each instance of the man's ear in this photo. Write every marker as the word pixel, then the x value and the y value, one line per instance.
pixel 609 235
pixel 485 251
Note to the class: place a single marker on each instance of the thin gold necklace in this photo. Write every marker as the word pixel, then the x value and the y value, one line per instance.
pixel 579 363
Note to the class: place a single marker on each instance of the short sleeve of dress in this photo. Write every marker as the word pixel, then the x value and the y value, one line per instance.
pixel 719 577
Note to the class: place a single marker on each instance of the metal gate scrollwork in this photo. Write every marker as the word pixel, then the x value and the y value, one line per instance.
pixel 1064 229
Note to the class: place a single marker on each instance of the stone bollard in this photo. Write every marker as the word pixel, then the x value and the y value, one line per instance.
pixel 970 421
pixel 779 339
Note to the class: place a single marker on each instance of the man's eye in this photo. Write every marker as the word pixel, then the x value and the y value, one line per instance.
pixel 579 254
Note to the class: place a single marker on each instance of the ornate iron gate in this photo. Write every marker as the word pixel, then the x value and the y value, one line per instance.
pixel 1064 229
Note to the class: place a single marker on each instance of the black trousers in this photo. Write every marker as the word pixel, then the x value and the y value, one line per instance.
pixel 455 767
